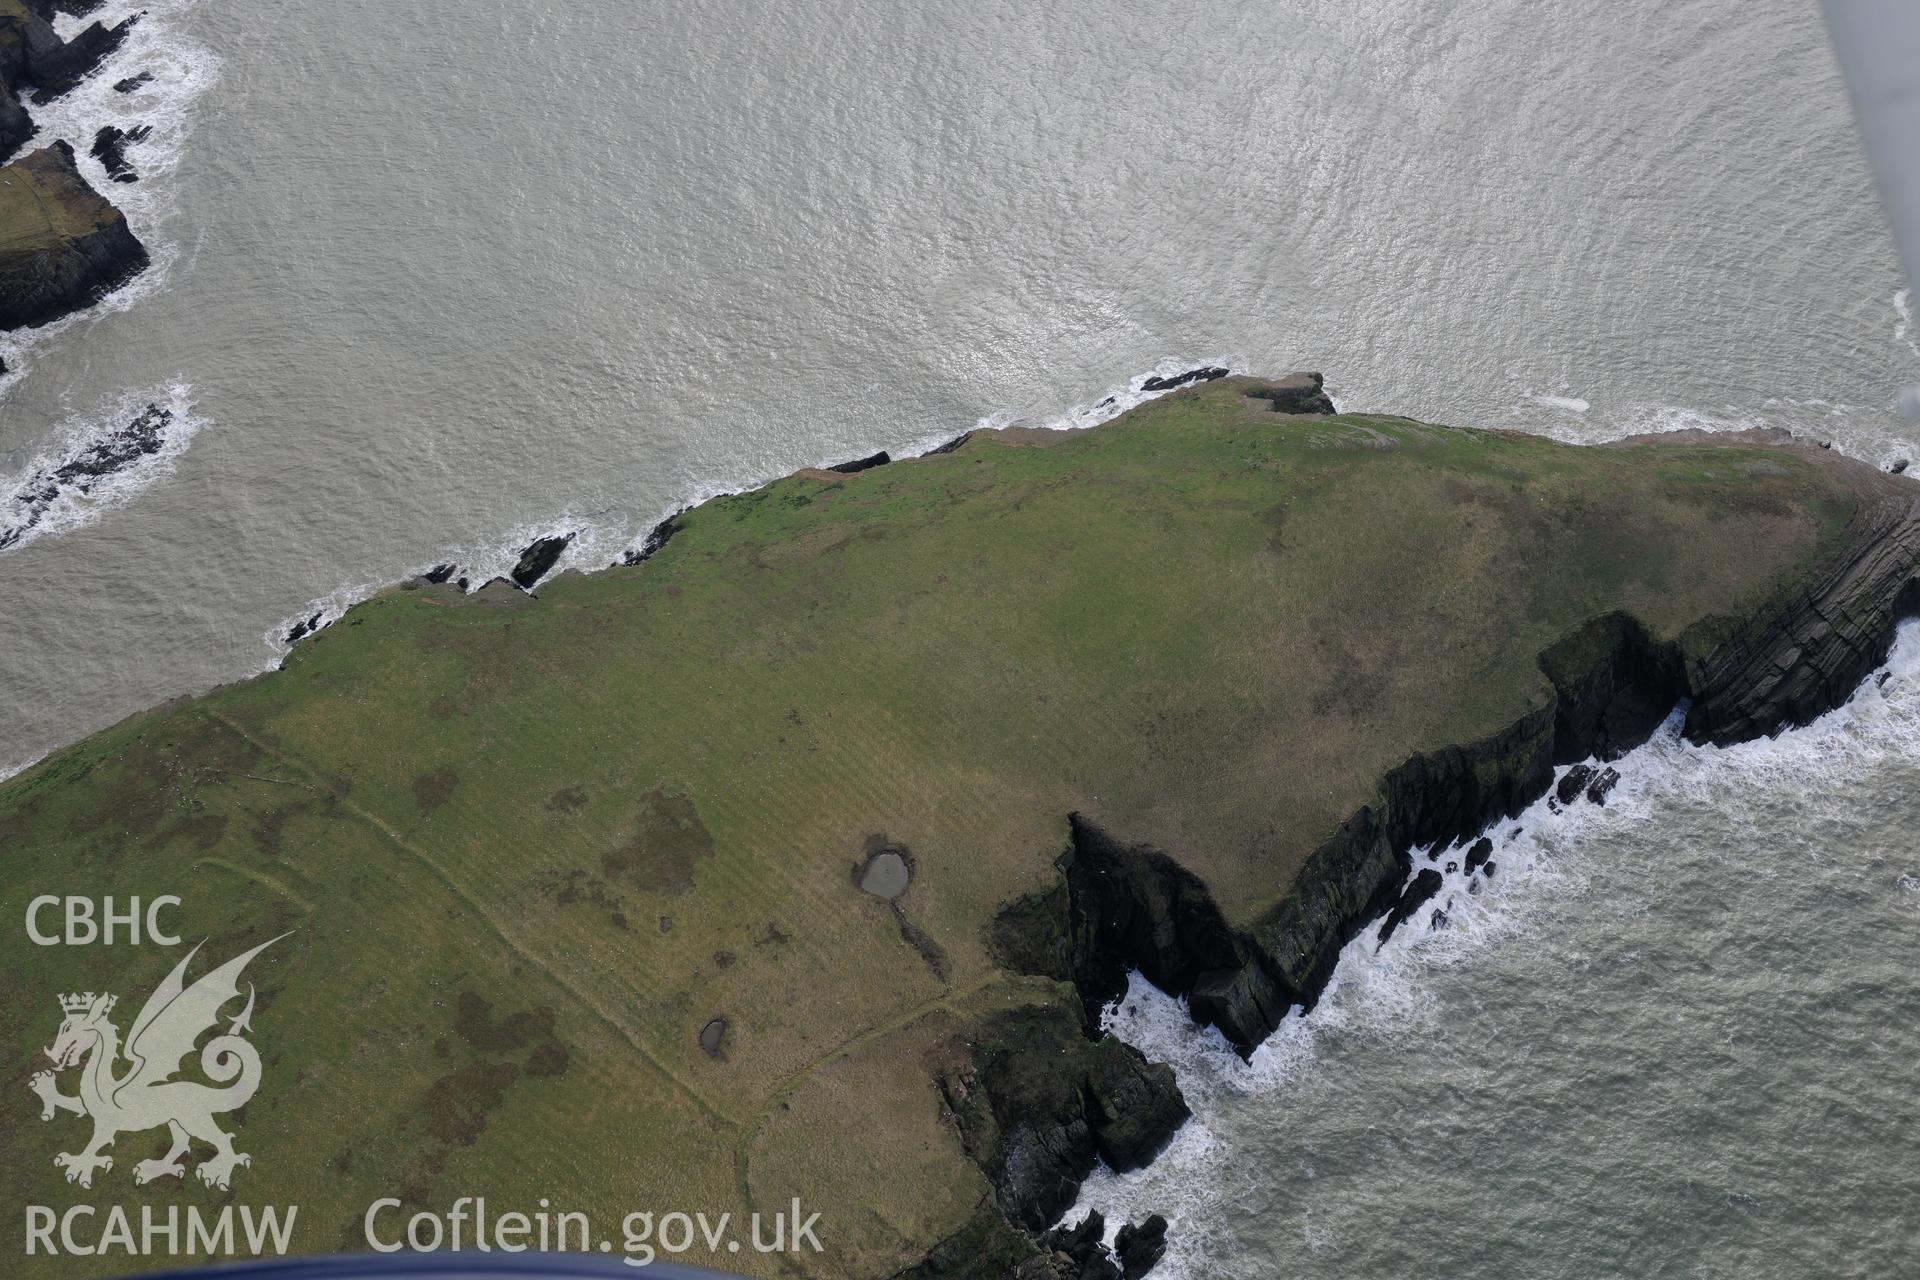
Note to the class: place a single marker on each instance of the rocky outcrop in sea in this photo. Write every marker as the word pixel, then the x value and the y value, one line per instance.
pixel 78 473
pixel 65 246
pixel 36 64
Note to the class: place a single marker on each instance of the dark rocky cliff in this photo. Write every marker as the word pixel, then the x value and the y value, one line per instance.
pixel 1806 654
pixel 1119 907
pixel 62 246
pixel 35 61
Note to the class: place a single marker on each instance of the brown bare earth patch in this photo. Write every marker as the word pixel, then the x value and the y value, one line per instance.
pixel 668 843
pixel 270 826
pixel 475 1025
pixel 575 885
pixel 431 790
pixel 457 1105
pixel 202 830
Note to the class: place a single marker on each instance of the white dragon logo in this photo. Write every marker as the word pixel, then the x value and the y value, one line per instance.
pixel 146 1095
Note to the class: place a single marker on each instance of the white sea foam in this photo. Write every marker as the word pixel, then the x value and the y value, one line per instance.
pixel 1660 419
pixel 477 567
pixel 1903 321
pixel 1845 428
pixel 603 537
pixel 95 463
pixel 1387 989
pixel 1571 419
pixel 600 539
pixel 1112 403
pixel 182 71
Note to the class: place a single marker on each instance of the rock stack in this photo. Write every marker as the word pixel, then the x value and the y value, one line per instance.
pixel 62 246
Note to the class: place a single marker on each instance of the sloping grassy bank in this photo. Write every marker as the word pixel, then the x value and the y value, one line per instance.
pixel 576 879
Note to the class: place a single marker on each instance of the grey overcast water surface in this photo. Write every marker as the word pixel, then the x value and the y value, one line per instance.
pixel 435 278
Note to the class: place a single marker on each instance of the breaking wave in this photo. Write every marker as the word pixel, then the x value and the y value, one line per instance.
pixel 96 463
pixel 601 538
pixel 1543 862
pixel 1168 375
pixel 1571 404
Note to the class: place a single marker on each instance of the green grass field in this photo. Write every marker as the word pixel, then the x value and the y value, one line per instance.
pixel 636 803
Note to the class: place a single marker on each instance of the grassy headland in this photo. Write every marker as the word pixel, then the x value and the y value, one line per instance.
pixel 533 847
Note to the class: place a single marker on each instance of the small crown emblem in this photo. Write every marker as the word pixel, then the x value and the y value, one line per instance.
pixel 81 1002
